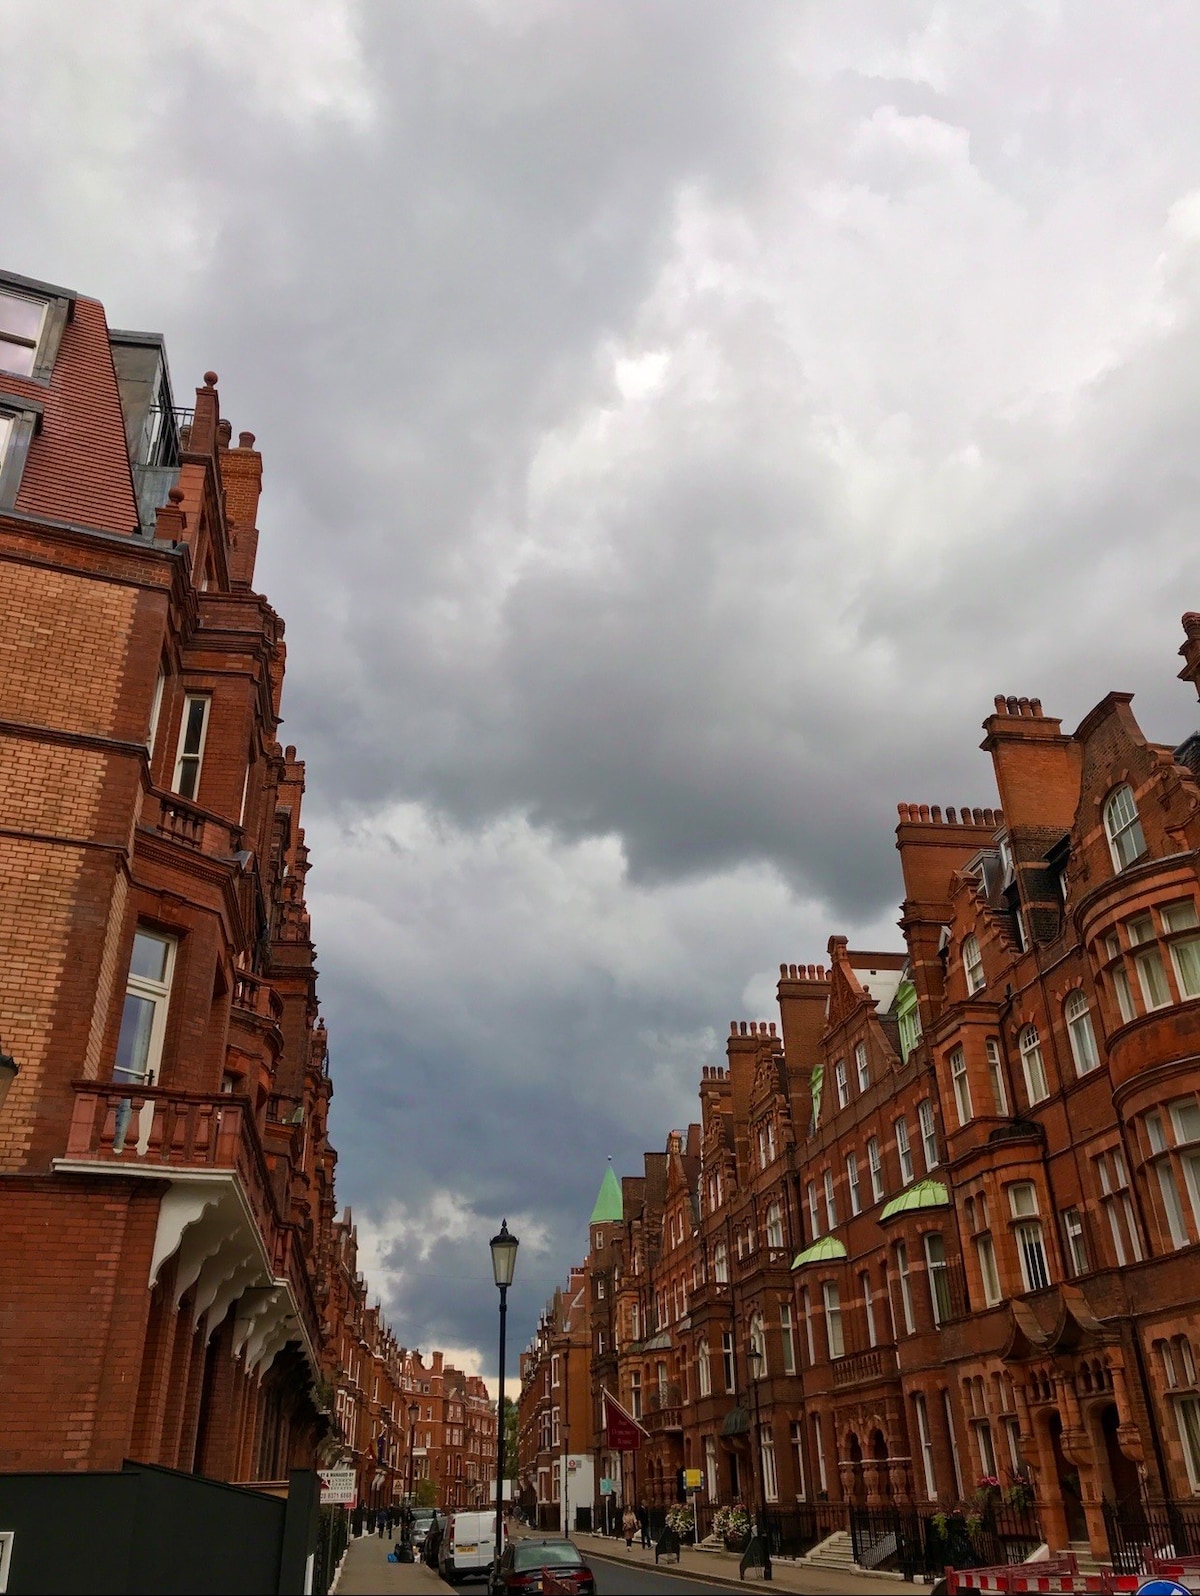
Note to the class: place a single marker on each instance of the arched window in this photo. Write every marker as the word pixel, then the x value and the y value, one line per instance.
pixel 1033 1065
pixel 774 1226
pixel 972 964
pixel 1125 836
pixel 703 1371
pixel 1079 1029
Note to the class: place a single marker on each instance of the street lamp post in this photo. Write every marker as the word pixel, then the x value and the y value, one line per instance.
pixel 413 1411
pixel 756 1360
pixel 406 1545
pixel 504 1262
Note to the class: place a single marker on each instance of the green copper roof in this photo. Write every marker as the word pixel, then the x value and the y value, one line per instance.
pixel 925 1194
pixel 609 1206
pixel 820 1252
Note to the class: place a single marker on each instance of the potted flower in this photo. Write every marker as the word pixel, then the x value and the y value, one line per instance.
pixel 1019 1496
pixel 732 1524
pixel 682 1520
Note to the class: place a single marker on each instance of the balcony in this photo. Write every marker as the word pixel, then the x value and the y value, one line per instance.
pixel 664 1411
pixel 194 1138
pixel 862 1368
pixel 191 827
pixel 257 997
pixel 763 1260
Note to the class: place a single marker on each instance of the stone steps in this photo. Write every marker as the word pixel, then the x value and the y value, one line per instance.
pixel 834 1552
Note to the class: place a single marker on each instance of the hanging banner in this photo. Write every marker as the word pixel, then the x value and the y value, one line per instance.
pixel 623 1432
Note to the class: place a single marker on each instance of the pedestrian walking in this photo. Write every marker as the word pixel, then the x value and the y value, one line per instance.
pixel 643 1518
pixel 629 1523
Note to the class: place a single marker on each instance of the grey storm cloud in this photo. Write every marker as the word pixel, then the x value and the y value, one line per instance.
pixel 679 420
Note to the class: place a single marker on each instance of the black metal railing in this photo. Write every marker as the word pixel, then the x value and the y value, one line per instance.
pixel 921 1545
pixel 1139 1530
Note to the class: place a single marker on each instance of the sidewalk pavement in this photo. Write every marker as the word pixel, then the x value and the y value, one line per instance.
pixel 803 1578
pixel 367 1572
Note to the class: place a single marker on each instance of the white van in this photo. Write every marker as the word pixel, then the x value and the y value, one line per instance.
pixel 469 1545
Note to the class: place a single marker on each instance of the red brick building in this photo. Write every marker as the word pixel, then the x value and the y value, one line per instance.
pixel 174 1287
pixel 556 1475
pixel 940 1218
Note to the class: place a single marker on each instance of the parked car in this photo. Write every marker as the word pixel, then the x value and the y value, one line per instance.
pixel 422 1520
pixel 469 1546
pixel 522 1563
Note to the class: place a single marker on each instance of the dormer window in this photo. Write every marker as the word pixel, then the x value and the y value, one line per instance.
pixel 20 419
pixel 21 322
pixel 1126 840
pixel 972 964
pixel 32 318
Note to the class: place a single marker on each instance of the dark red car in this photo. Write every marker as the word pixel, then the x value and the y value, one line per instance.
pixel 523 1561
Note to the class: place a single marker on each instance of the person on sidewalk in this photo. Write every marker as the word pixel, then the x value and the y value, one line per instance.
pixel 629 1523
pixel 643 1518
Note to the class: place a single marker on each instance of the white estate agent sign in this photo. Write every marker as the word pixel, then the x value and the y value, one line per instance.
pixel 337 1487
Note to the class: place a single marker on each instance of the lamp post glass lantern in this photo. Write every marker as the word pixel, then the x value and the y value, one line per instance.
pixel 504 1263
pixel 756 1360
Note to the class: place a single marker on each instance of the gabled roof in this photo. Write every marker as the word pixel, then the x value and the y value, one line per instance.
pixel 823 1251
pixel 925 1194
pixel 609 1208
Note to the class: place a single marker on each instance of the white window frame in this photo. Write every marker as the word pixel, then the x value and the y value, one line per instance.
pixel 796 1435
pixel 961 1085
pixel 1033 1065
pixel 972 960
pixel 1152 978
pixel 774 1225
pixel 904 1151
pixel 830 1199
pixel 814 1208
pixel 721 1263
pixel 928 1128
pixel 787 1338
pixel 1076 1241
pixel 861 1067
pixel 996 1076
pixel 1187 1417
pixel 728 1368
pixel 819 1439
pixel 766 1462
pixel 1123 828
pixel 12 340
pixel 1031 1244
pixel 832 1302
pixel 809 1336
pixel 1077 1016
pixel 906 1297
pixel 196 756
pixel 839 1080
pixel 938 1273
pixel 925 1442
pixel 159 994
pixel 985 1251
pixel 864 1285
pixel 875 1165
pixel 948 1412
pixel 160 682
pixel 852 1183
pixel 1124 993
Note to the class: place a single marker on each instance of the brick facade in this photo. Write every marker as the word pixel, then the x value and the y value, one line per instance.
pixel 175 1286
pixel 953 1194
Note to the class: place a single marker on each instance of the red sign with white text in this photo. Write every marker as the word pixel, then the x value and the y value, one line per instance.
pixel 623 1433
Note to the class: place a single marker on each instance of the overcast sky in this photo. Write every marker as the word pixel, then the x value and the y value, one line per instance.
pixel 679 421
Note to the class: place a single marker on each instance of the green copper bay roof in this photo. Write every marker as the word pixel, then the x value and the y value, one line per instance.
pixel 823 1251
pixel 925 1194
